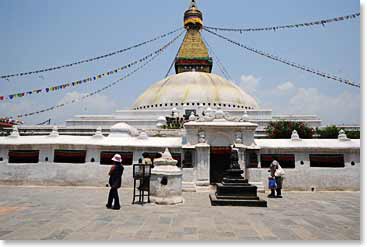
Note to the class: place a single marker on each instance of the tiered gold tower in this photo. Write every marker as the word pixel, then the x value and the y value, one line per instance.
pixel 193 54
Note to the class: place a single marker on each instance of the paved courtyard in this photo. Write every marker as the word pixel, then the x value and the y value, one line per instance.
pixel 75 213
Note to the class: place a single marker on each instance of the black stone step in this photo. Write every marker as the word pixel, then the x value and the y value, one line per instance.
pixel 234 202
pixel 235 180
pixel 236 184
pixel 234 197
pixel 224 189
pixel 236 191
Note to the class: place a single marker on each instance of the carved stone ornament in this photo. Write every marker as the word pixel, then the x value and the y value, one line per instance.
pixel 54 132
pixel 192 117
pixel 238 137
pixel 295 136
pixel 15 132
pixel 342 136
pixel 244 117
pixel 202 136
pixel 98 133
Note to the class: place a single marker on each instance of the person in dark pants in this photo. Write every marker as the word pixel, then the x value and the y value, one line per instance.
pixel 115 173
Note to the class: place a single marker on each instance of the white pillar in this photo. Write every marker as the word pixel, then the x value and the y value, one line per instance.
pixel 43 153
pixel 242 158
pixel 202 164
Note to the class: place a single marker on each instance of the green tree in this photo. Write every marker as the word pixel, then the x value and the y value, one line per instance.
pixel 283 130
pixel 329 132
pixel 353 134
pixel 332 132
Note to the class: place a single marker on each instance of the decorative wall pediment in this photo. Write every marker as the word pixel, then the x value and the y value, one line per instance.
pixel 217 129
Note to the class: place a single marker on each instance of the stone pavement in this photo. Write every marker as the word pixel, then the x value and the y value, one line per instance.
pixel 76 213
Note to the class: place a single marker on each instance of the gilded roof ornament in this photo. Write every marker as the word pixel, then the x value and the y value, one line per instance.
pixel 193 54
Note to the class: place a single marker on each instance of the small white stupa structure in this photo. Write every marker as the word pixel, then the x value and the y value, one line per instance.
pixel 295 136
pixel 166 180
pixel 98 133
pixel 342 136
pixel 15 132
pixel 54 132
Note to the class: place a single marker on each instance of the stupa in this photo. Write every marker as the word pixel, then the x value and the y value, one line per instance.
pixel 194 88
pixel 216 114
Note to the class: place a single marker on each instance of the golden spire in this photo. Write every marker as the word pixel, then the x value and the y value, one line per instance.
pixel 193 18
pixel 193 54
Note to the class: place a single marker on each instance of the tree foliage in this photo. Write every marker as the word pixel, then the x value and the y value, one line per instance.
pixel 353 134
pixel 332 132
pixel 329 132
pixel 284 129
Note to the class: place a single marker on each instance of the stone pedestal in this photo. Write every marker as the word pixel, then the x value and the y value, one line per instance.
pixel 236 191
pixel 166 181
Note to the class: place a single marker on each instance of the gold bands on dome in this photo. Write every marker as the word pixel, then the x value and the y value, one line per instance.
pixel 193 20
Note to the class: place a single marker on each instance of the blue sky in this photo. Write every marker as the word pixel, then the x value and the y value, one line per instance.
pixel 38 34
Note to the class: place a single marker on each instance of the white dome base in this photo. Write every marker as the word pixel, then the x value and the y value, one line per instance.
pixel 194 89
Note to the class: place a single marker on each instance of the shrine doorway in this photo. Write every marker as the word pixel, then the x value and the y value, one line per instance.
pixel 219 162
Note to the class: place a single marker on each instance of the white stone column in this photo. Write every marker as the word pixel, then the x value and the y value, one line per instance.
pixel 202 164
pixel 51 153
pixel 92 153
pixel 4 154
pixel 43 153
pixel 242 158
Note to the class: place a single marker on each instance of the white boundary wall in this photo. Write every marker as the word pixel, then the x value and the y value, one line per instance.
pixel 303 177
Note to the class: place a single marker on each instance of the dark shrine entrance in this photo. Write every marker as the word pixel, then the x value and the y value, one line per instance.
pixel 219 162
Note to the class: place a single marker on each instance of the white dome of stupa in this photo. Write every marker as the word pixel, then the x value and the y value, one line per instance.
pixel 194 89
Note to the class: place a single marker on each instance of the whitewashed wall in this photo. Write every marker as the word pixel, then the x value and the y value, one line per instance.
pixel 303 177
pixel 66 174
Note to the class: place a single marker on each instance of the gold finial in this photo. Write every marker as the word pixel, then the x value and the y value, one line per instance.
pixel 193 4
pixel 193 18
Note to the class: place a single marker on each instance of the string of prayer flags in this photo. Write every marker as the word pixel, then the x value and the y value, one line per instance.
pixel 275 28
pixel 85 80
pixel 285 61
pixel 105 87
pixel 91 59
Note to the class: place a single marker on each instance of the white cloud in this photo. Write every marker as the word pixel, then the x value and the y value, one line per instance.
pixel 342 108
pixel 285 87
pixel 14 108
pixel 97 104
pixel 287 98
pixel 249 83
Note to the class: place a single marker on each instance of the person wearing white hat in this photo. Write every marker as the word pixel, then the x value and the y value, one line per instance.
pixel 115 173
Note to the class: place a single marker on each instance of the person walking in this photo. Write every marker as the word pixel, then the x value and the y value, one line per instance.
pixel 276 180
pixel 115 173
